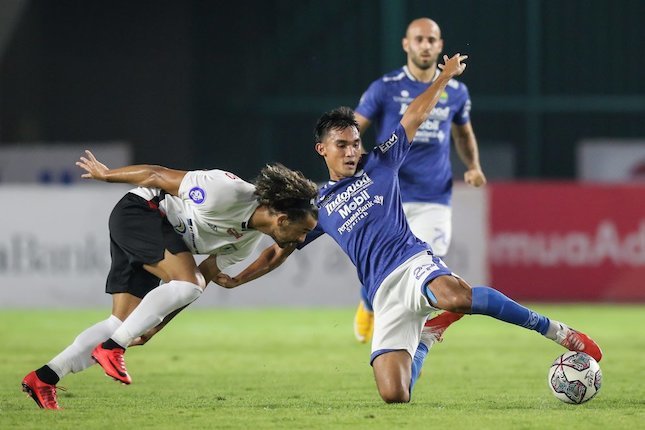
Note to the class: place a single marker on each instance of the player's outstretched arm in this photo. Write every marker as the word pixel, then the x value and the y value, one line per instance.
pixel 142 175
pixel 363 123
pixel 269 259
pixel 422 105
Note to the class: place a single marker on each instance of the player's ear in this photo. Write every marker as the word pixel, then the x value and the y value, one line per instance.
pixel 405 44
pixel 320 148
pixel 282 219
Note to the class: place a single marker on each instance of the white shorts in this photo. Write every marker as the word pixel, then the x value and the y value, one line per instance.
pixel 401 307
pixel 432 223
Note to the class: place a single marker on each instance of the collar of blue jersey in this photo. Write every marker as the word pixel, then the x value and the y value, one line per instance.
pixel 356 175
pixel 412 78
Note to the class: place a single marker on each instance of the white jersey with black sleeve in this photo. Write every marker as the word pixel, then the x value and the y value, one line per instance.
pixel 211 213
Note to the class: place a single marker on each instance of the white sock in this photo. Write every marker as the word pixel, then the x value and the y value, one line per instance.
pixel 154 307
pixel 78 356
pixel 554 332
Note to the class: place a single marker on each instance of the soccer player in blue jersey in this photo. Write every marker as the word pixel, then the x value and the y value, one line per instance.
pixel 425 176
pixel 360 208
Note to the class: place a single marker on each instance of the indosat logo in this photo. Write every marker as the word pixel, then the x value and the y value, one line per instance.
pixel 602 246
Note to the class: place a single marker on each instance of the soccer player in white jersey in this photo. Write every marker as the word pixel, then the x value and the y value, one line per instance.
pixel 360 208
pixel 425 177
pixel 154 231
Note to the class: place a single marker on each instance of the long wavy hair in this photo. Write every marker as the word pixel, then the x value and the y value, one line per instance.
pixel 287 191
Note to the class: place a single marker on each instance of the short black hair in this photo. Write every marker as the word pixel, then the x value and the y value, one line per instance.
pixel 287 191
pixel 336 119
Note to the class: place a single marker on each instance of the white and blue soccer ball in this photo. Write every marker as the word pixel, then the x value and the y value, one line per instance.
pixel 575 377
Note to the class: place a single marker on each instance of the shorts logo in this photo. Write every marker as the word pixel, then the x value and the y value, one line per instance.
pixel 197 195
pixel 180 228
pixel 424 270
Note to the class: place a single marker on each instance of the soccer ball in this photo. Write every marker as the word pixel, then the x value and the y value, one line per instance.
pixel 575 377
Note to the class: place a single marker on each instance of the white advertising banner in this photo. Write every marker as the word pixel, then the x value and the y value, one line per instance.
pixel 54 245
pixel 54 253
pixel 467 253
pixel 611 160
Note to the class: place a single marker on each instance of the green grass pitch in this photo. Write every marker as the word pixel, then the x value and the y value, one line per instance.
pixel 283 369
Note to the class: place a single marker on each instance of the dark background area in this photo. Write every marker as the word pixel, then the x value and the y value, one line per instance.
pixel 205 84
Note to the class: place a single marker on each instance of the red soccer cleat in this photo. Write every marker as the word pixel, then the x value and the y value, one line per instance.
pixel 574 340
pixel 433 329
pixel 111 360
pixel 43 394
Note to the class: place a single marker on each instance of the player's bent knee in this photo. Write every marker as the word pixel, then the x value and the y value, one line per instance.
pixel 458 303
pixel 201 281
pixel 189 291
pixel 395 395
pixel 451 295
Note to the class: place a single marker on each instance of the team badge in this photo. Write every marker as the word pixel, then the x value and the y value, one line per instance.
pixel 197 195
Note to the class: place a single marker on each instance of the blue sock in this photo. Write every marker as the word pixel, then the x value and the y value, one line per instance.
pixel 417 363
pixel 366 301
pixel 488 301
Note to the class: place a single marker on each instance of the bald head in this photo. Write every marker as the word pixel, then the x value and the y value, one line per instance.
pixel 423 45
pixel 422 25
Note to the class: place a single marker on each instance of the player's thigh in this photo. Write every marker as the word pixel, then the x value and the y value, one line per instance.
pixel 432 223
pixel 451 293
pixel 178 267
pixel 123 304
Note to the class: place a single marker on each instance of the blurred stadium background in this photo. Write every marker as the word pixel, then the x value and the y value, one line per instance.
pixel 558 107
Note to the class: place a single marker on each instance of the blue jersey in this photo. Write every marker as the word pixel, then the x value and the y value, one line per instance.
pixel 426 174
pixel 364 215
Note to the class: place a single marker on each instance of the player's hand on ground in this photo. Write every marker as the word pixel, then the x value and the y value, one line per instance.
pixel 475 177
pixel 223 280
pixel 94 168
pixel 453 66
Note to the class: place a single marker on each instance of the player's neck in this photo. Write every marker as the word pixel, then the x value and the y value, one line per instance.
pixel 336 176
pixel 261 219
pixel 422 75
